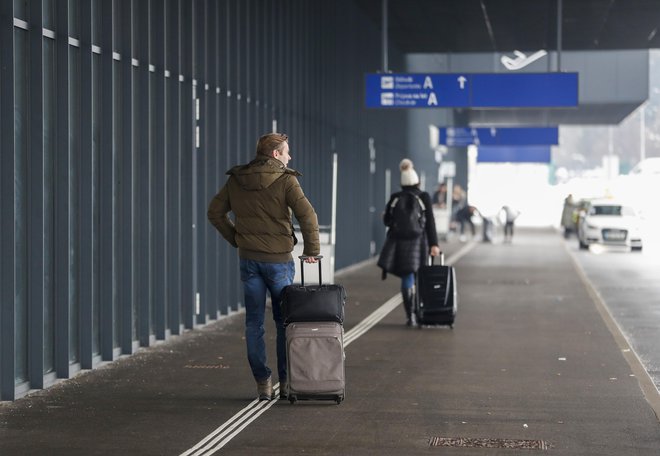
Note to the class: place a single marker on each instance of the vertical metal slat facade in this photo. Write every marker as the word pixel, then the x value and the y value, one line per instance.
pixel 118 120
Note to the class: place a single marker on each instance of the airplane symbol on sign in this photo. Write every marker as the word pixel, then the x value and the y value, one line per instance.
pixel 521 60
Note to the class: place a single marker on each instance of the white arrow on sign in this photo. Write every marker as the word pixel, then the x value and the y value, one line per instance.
pixel 461 81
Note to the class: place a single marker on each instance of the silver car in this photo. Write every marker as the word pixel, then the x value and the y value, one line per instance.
pixel 612 223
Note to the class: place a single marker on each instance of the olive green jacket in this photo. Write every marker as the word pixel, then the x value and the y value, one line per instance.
pixel 262 195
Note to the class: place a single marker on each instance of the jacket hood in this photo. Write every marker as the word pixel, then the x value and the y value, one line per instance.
pixel 260 173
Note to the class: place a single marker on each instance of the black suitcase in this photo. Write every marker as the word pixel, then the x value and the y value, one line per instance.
pixel 313 303
pixel 437 299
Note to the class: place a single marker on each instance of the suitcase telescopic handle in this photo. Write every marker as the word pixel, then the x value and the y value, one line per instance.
pixel 302 267
pixel 442 259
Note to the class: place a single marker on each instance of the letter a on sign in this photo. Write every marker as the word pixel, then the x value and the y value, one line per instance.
pixel 433 100
pixel 428 84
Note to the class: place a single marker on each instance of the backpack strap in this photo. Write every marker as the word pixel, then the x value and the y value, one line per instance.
pixel 421 203
pixel 419 200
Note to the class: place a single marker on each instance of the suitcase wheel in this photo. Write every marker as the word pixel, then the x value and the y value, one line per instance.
pixel 293 399
pixel 339 399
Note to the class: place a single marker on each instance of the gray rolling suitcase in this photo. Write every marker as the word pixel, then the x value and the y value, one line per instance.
pixel 315 361
pixel 315 349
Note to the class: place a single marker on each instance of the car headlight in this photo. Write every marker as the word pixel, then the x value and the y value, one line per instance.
pixel 592 227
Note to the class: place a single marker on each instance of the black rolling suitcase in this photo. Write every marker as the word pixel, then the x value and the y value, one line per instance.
pixel 313 316
pixel 320 302
pixel 437 299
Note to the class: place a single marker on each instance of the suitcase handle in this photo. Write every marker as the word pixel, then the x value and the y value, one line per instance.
pixel 302 267
pixel 442 259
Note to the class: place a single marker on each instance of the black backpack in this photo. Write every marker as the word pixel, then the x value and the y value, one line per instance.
pixel 407 216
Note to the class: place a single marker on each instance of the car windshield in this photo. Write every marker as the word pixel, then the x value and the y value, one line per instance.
pixel 611 209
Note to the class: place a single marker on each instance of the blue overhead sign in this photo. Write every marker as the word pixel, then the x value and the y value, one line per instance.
pixel 498 136
pixel 479 90
pixel 417 90
pixel 527 90
pixel 514 154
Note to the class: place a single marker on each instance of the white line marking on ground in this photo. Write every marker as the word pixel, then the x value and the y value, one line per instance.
pixel 227 425
pixel 217 439
pixel 221 440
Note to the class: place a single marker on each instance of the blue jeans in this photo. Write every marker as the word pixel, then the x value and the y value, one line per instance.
pixel 407 281
pixel 259 277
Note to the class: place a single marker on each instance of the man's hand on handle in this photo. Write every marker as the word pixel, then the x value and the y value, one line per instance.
pixel 311 259
pixel 435 250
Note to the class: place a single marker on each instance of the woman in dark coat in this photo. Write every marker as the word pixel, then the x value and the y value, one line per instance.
pixel 411 236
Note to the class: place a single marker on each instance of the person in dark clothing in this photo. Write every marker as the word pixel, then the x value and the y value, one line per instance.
pixel 411 235
pixel 567 221
pixel 464 217
pixel 458 200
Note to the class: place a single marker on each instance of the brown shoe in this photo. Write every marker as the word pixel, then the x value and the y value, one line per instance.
pixel 265 389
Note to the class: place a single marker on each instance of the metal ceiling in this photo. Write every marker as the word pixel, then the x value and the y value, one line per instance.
pixel 453 26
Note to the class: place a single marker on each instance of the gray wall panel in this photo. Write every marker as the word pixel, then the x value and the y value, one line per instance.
pixel 106 191
pixel 157 206
pixel 141 175
pixel 172 166
pixel 64 212
pixel 37 190
pixel 8 345
pixel 85 273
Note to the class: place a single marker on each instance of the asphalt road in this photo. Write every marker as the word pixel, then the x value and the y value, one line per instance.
pixel 629 284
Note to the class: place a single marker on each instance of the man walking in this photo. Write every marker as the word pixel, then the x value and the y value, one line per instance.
pixel 262 194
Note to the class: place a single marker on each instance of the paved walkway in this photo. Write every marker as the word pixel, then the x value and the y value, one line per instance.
pixel 531 363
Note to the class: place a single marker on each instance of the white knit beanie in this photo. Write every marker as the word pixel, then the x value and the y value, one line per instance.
pixel 408 174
